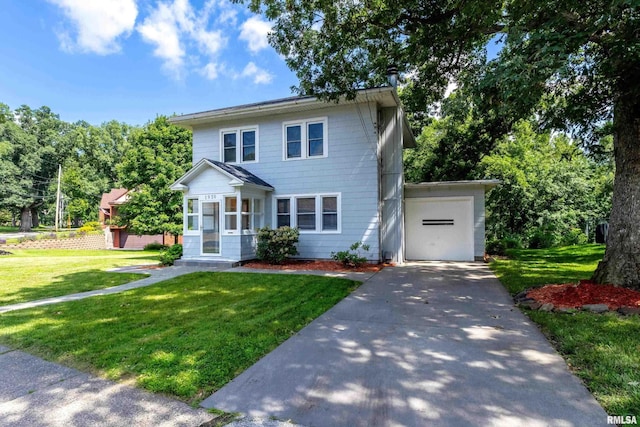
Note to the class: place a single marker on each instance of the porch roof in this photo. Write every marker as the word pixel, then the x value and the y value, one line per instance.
pixel 239 176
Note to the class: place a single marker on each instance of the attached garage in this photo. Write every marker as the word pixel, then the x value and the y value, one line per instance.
pixel 445 220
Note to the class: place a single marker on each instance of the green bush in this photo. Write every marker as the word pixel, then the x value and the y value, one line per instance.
pixel 172 253
pixel 90 226
pixel 500 246
pixel 155 246
pixel 352 257
pixel 574 236
pixel 275 246
pixel 542 238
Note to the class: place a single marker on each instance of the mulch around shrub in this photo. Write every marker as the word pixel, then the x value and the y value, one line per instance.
pixel 576 295
pixel 314 265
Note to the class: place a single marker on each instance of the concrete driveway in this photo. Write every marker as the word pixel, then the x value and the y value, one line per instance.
pixel 427 344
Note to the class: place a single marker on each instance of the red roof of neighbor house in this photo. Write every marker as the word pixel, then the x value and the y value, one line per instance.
pixel 109 197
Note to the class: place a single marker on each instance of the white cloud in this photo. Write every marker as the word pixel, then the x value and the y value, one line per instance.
pixel 255 31
pixel 160 28
pixel 96 25
pixel 259 75
pixel 173 27
pixel 210 71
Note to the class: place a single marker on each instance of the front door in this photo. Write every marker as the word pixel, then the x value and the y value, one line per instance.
pixel 210 228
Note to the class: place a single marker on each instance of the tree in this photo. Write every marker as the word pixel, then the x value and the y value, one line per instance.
pixel 159 154
pixel 576 62
pixel 90 157
pixel 21 163
pixel 548 194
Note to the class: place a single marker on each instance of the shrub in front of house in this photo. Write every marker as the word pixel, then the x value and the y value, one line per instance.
pixel 172 253
pixel 353 257
pixel 276 245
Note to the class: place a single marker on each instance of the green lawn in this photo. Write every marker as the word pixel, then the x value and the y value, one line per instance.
pixel 31 274
pixel 8 229
pixel 603 350
pixel 186 337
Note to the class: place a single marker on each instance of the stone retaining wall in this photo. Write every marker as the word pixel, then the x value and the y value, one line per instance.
pixel 91 241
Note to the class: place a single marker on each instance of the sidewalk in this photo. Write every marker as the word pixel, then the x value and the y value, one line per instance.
pixel 157 275
pixel 37 393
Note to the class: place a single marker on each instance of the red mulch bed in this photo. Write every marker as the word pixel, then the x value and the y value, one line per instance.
pixel 315 265
pixel 572 295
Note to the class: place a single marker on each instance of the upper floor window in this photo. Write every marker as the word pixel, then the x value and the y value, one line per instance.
pixel 239 145
pixel 305 139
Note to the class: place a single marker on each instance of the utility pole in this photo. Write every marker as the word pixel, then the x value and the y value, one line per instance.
pixel 58 198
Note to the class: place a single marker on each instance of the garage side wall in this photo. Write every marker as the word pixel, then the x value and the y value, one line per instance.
pixel 478 208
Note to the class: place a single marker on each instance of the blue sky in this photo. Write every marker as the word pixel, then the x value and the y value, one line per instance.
pixel 130 60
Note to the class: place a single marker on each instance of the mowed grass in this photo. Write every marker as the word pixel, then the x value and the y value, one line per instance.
pixel 31 274
pixel 603 350
pixel 186 337
pixel 527 268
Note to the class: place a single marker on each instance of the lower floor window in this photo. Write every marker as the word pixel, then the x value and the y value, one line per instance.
pixel 316 213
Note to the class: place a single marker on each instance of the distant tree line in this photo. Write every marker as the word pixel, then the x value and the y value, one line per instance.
pixel 94 159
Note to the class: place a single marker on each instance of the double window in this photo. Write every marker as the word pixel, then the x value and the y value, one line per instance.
pixel 239 145
pixel 305 139
pixel 309 213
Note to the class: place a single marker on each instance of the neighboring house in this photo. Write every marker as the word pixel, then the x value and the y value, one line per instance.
pixel 119 237
pixel 333 170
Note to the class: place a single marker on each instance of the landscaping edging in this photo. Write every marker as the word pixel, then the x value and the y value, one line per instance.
pixel 90 241
pixel 522 300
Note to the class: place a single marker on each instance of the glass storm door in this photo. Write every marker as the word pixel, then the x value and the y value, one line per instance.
pixel 211 228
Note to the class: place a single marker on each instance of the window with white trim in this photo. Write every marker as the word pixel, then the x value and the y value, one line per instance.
pixel 305 139
pixel 258 214
pixel 318 213
pixel 231 213
pixel 251 214
pixel 283 212
pixel 239 145
pixel 192 219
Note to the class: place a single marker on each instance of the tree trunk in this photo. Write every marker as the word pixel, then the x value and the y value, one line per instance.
pixel 621 262
pixel 25 219
pixel 35 220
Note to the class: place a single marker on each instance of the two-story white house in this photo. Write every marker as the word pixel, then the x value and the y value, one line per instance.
pixel 333 170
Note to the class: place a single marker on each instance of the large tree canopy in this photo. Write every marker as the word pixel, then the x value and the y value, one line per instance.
pixel 159 154
pixel 576 63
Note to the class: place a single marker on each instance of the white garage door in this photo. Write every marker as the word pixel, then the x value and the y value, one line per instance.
pixel 439 228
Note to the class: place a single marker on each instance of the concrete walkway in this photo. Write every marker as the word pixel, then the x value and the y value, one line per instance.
pixel 155 276
pixel 37 393
pixel 429 344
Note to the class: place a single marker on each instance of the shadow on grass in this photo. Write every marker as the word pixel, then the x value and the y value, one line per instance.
pixel 566 254
pixel 69 284
pixel 527 268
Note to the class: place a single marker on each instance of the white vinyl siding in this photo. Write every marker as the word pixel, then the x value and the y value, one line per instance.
pixel 315 213
pixel 239 145
pixel 305 139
